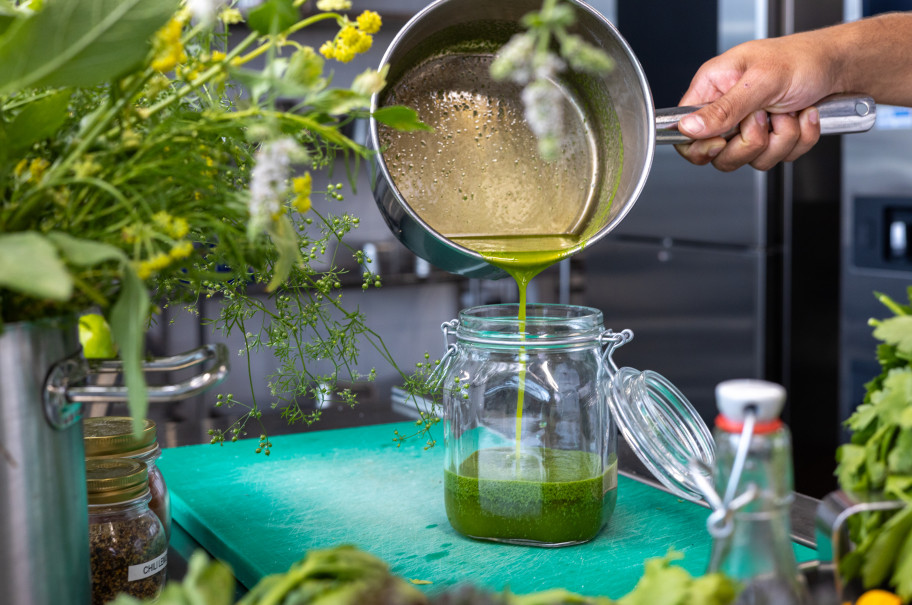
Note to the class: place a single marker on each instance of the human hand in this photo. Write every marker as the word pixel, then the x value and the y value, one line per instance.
pixel 767 88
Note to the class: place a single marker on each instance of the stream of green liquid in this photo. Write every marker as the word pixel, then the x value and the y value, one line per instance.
pixel 522 257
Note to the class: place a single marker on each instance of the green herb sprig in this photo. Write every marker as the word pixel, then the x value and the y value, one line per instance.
pixel 879 460
pixel 146 160
pixel 346 575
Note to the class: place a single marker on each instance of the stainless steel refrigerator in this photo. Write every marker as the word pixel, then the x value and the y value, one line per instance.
pixel 729 275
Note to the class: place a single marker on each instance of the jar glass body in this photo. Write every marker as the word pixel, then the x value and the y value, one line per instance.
pixel 128 550
pixel 158 489
pixel 530 443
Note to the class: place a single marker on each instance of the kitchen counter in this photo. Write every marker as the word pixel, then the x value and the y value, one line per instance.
pixel 354 486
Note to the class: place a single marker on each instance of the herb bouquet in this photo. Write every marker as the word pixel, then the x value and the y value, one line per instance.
pixel 879 460
pixel 144 159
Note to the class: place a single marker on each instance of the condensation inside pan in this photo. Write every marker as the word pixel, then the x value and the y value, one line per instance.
pixel 478 175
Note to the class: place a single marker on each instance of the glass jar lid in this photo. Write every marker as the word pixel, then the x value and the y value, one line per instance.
pixel 114 436
pixel 115 480
pixel 662 428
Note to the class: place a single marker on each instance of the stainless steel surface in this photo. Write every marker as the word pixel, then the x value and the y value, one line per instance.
pixel 217 353
pixel 877 168
pixel 839 114
pixel 624 89
pixel 678 198
pixel 696 310
pixel 43 510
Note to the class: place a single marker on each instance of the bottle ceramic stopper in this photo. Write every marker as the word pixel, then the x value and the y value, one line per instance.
pixel 735 397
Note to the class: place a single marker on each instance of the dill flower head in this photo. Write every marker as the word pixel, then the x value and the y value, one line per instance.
pixel 205 11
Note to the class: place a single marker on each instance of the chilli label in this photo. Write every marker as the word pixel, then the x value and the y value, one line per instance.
pixel 141 571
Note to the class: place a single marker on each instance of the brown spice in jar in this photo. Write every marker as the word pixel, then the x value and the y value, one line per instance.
pixel 117 543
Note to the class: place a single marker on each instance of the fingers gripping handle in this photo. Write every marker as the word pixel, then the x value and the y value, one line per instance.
pixel 839 114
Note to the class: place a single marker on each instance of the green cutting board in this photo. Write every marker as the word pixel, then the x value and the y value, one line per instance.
pixel 320 489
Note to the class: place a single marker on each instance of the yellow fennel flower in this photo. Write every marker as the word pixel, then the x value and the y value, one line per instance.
pixel 181 250
pixel 302 187
pixel 369 22
pixel 328 50
pixel 169 50
pixel 37 168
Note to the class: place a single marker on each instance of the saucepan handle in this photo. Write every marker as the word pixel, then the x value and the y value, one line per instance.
pixel 839 114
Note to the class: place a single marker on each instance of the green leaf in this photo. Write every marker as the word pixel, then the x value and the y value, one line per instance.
pixel 896 395
pixel 79 42
pixel 712 589
pixel 880 558
pixel 902 574
pixel 400 118
pixel 38 120
pixel 338 101
pixel 209 582
pixel 899 486
pixel 8 14
pixel 306 68
pixel 851 464
pixel 29 264
pixel 273 16
pixel 285 239
pixel 896 331
pixel 662 582
pixel 899 460
pixel 863 416
pixel 128 320
pixel 83 252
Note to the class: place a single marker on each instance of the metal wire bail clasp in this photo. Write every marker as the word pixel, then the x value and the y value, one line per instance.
pixel 611 340
pixel 435 379
pixel 720 523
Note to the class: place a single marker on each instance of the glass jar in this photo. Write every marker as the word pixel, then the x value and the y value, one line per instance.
pixel 128 546
pixel 113 437
pixel 531 429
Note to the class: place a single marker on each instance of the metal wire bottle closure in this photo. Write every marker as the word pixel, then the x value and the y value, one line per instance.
pixel 720 522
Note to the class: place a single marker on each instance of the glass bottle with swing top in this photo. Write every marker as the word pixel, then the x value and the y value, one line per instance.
pixel 753 479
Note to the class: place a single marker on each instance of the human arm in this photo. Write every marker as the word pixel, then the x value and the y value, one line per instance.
pixel 769 87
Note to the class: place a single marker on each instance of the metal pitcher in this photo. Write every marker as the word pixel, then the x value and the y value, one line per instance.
pixel 44 533
pixel 620 106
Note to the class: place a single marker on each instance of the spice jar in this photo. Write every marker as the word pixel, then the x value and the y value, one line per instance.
pixel 532 408
pixel 128 547
pixel 113 437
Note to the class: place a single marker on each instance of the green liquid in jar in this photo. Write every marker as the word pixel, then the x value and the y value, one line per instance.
pixel 543 496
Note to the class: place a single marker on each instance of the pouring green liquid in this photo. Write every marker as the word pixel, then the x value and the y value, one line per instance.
pixel 477 180
pixel 523 258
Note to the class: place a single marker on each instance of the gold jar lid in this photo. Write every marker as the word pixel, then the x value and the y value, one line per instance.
pixel 113 480
pixel 114 436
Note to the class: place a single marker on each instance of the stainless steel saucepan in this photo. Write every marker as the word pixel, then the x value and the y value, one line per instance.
pixel 620 105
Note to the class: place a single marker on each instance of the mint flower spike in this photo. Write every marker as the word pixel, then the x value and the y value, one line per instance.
pixel 205 11
pixel 529 60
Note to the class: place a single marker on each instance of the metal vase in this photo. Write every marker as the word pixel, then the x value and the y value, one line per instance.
pixel 44 382
pixel 44 556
